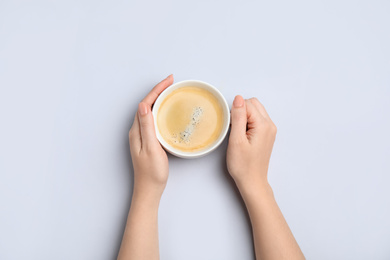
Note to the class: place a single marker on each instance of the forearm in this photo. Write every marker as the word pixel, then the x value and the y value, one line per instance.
pixel 271 234
pixel 140 239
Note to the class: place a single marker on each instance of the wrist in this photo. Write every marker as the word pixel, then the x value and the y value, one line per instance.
pixel 146 186
pixel 145 199
pixel 255 189
pixel 147 194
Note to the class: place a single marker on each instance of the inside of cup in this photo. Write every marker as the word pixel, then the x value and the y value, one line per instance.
pixel 225 126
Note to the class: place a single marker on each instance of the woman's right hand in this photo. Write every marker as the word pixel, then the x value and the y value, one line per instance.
pixel 250 146
pixel 250 143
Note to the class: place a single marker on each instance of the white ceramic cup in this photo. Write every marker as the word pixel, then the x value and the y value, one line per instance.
pixel 226 115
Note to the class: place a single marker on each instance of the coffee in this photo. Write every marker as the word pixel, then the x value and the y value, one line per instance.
pixel 190 119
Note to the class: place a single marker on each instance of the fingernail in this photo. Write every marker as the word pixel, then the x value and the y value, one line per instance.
pixel 238 101
pixel 142 109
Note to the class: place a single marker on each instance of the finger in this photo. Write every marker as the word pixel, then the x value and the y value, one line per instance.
pixel 146 123
pixel 239 119
pixel 156 91
pixel 135 135
pixel 254 118
pixel 260 107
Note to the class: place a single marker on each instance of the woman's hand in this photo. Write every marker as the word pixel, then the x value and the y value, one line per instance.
pixel 150 161
pixel 250 146
pixel 250 143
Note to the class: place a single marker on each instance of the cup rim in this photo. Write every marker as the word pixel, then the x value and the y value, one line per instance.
pixel 225 129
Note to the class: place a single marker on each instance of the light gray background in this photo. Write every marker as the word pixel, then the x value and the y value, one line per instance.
pixel 72 73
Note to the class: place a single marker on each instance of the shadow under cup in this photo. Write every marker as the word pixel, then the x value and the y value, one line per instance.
pixel 225 114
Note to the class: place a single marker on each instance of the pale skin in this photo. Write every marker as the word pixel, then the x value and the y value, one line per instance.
pixel 249 150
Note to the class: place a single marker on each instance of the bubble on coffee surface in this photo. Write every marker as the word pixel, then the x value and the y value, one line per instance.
pixel 185 136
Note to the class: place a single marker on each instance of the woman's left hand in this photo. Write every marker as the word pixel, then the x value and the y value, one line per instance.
pixel 150 161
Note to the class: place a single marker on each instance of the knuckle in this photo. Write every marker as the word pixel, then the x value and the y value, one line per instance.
pixel 271 127
pixel 274 128
pixel 272 124
pixel 255 100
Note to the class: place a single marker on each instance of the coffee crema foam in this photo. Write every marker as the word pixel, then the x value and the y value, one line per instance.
pixel 190 119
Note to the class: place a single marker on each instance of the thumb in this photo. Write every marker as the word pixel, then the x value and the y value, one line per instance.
pixel 148 134
pixel 239 119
